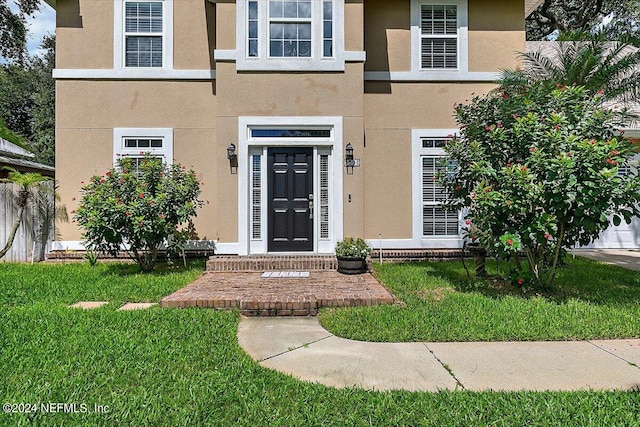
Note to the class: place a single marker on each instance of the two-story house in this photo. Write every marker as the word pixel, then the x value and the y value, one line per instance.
pixel 306 120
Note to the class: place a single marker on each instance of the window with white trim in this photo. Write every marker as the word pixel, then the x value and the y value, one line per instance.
pixel 434 225
pixel 135 143
pixel 143 34
pixel 324 196
pixel 439 35
pixel 256 196
pixel 290 34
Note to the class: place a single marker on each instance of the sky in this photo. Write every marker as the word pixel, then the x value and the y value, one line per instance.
pixel 41 23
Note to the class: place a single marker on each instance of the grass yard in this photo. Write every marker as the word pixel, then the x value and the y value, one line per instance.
pixel 590 300
pixel 178 367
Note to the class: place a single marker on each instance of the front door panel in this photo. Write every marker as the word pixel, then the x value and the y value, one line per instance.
pixel 290 182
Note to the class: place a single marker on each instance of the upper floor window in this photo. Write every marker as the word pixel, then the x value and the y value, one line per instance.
pixel 290 34
pixel 439 35
pixel 143 34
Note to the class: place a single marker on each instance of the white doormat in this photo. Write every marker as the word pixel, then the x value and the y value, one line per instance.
pixel 286 274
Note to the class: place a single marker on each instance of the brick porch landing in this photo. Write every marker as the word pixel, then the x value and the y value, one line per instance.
pixel 254 295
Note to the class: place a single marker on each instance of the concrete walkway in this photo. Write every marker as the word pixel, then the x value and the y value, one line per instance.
pixel 302 348
pixel 627 258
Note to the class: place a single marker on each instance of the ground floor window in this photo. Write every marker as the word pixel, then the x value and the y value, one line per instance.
pixel 134 143
pixel 436 220
pixel 433 224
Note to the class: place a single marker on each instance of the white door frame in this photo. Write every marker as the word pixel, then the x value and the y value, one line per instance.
pixel 248 145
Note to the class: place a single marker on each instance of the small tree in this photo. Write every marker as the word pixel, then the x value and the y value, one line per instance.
pixel 538 171
pixel 29 183
pixel 138 208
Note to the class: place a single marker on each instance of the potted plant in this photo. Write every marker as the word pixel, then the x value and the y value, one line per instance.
pixel 352 255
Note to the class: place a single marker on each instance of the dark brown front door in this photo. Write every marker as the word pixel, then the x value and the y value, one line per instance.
pixel 290 176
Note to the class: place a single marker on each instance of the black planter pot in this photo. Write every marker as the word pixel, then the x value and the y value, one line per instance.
pixel 351 265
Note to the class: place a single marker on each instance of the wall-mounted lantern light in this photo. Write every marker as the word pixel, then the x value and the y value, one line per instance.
pixel 233 157
pixel 231 151
pixel 349 161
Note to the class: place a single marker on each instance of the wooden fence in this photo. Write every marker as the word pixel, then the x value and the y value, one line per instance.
pixel 36 232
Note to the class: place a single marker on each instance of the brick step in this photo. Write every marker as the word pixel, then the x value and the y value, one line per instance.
pixel 254 295
pixel 414 255
pixel 80 256
pixel 255 263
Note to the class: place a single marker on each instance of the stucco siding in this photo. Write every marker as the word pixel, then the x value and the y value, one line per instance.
pixel 496 33
pixel 84 135
pixel 84 34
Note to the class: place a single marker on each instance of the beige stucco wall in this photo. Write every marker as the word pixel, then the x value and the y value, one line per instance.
pixel 354 25
pixel 225 25
pixel 496 34
pixel 88 111
pixel 293 94
pixel 391 112
pixel 85 38
pixel 194 35
pixel 387 37
pixel 496 27
pixel 84 34
pixel 378 117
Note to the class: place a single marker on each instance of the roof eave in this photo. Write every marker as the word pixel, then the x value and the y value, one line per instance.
pixel 51 3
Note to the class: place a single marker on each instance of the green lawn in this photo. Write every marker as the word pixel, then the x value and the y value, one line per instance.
pixel 590 300
pixel 184 367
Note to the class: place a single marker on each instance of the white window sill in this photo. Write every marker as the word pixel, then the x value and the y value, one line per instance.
pixel 429 75
pixel 294 64
pixel 133 74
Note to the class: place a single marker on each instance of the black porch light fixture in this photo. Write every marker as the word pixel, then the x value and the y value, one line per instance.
pixel 232 156
pixel 231 152
pixel 349 161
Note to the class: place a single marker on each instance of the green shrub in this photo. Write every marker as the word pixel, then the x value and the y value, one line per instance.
pixel 537 169
pixel 138 208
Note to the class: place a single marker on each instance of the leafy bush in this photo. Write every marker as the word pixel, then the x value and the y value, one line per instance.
pixel 138 208
pixel 537 169
pixel 353 248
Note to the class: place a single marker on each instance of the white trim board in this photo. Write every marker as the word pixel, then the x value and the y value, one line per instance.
pixel 220 248
pixel 441 243
pixel 132 74
pixel 431 76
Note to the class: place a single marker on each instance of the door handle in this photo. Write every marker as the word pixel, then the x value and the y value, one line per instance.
pixel 310 206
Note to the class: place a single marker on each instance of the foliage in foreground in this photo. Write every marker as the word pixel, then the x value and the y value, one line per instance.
pixel 589 301
pixel 139 207
pixel 31 188
pixel 537 170
pixel 27 102
pixel 591 62
pixel 173 367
